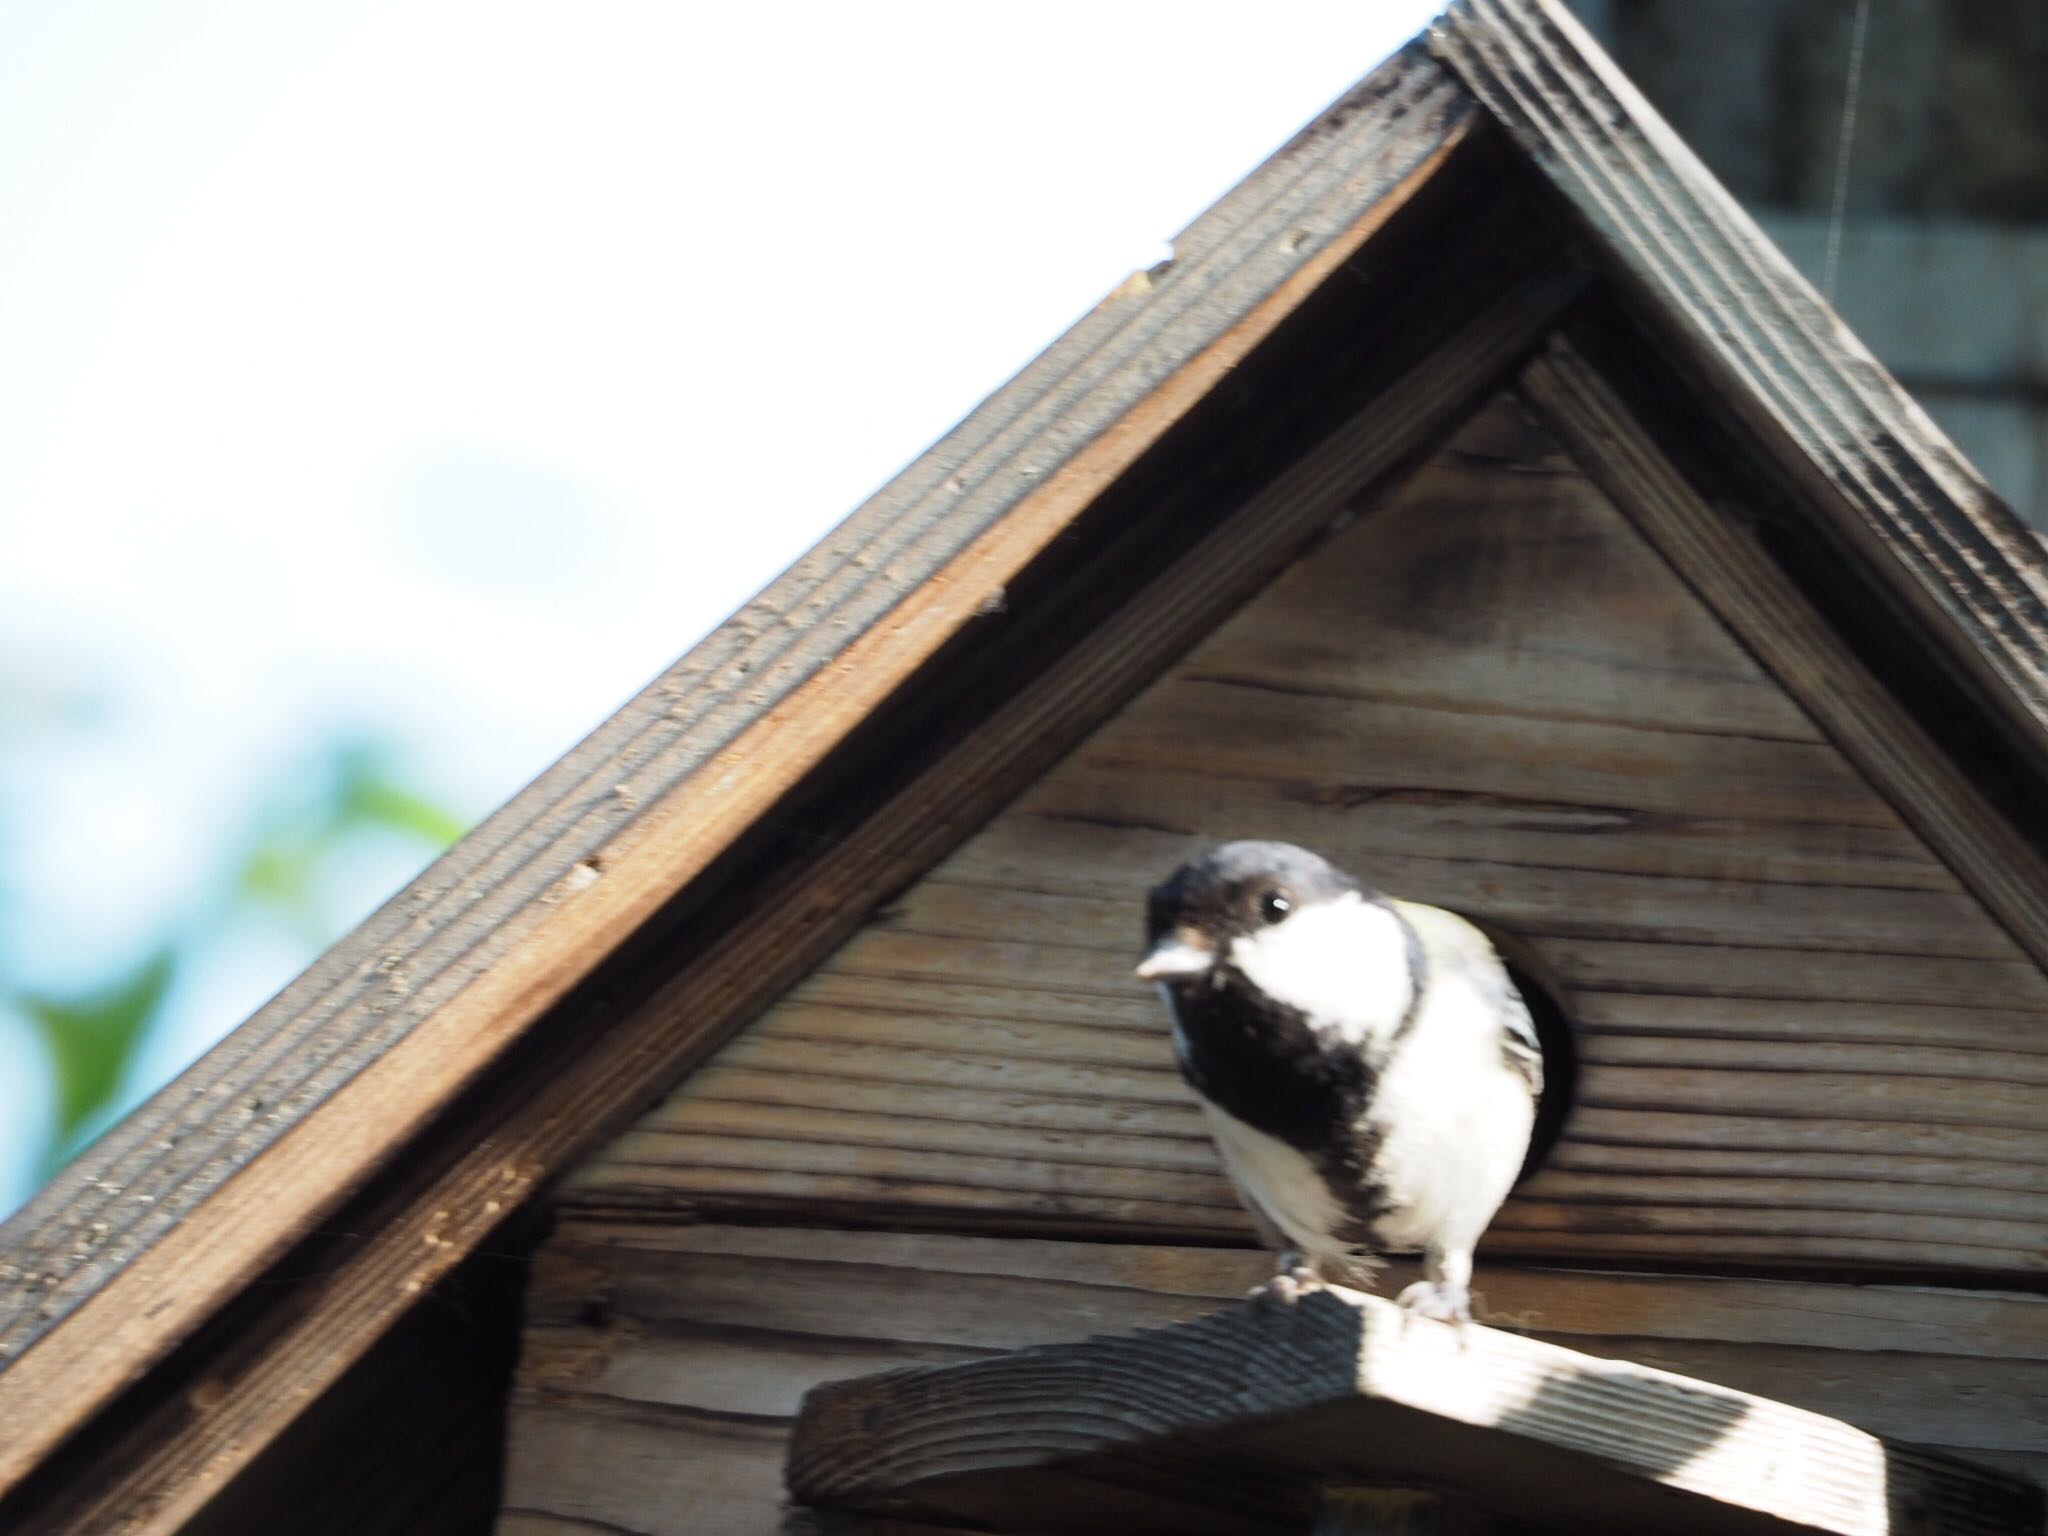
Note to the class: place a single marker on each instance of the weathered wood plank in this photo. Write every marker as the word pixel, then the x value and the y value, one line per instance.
pixel 664 1471
pixel 1367 740
pixel 1078 814
pixel 716 1275
pixel 695 1327
pixel 1235 1422
pixel 410 1441
pixel 1882 1218
pixel 1791 974
pixel 1963 1032
pixel 1447 608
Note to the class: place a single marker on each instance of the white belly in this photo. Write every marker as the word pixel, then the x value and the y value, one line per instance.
pixel 1456 1129
pixel 1280 1185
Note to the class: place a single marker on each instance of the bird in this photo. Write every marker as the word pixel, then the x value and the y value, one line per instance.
pixel 1367 1066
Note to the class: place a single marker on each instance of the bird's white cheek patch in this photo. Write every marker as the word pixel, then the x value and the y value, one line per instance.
pixel 1344 963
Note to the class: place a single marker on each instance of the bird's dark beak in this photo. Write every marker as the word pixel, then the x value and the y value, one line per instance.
pixel 1175 958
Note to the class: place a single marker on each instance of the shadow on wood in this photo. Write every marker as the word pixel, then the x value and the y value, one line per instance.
pixel 1235 1422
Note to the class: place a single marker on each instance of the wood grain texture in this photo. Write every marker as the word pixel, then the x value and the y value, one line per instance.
pixel 1802 1040
pixel 410 1441
pixel 663 1366
pixel 1729 567
pixel 1767 346
pixel 1235 1422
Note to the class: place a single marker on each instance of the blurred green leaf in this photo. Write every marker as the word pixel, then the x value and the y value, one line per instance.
pixel 295 845
pixel 291 852
pixel 378 800
pixel 91 1040
pixel 279 870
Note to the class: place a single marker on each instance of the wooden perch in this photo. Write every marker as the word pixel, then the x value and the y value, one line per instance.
pixel 1235 1422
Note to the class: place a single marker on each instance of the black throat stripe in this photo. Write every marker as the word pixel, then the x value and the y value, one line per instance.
pixel 1261 1062
pixel 1265 1063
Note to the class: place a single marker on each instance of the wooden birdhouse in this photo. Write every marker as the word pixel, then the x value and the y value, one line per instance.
pixel 1477 498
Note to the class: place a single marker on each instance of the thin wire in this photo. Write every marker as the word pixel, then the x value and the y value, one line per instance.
pixel 1845 143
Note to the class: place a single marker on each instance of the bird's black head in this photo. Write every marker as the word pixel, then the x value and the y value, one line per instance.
pixel 1238 888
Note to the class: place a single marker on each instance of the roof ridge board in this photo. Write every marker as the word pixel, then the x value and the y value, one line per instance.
pixel 68 1210
pixel 1425 79
pixel 1142 325
pixel 1965 552
pixel 1412 61
pixel 1210 233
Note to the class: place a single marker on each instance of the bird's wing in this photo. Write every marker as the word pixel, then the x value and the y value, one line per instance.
pixel 1458 947
pixel 1518 1043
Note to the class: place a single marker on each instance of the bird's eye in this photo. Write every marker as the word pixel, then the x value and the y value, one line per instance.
pixel 1274 905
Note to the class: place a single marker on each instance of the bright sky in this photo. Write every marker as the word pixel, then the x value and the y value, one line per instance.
pixel 449 367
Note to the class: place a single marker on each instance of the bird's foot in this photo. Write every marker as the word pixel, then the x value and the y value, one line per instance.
pixel 1438 1299
pixel 1289 1286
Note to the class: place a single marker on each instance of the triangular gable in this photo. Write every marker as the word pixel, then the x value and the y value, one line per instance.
pixel 360 1135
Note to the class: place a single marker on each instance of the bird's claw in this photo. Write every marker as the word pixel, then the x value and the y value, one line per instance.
pixel 1444 1302
pixel 1289 1286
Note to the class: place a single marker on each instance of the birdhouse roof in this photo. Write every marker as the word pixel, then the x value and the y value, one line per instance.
pixel 1494 206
